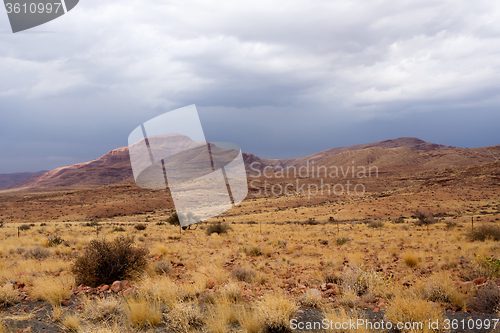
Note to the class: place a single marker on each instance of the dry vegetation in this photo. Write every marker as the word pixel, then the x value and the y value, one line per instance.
pixel 253 271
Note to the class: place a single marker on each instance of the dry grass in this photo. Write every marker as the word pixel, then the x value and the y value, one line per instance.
pixel 275 311
pixel 161 289
pixel 442 289
pixel 184 318
pixel 411 309
pixel 312 298
pixel 52 289
pixel 8 296
pixel 219 316
pixel 101 309
pixel 249 320
pixel 411 259
pixel 72 323
pixel 141 312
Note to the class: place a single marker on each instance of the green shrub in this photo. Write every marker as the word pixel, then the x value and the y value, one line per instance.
pixel 103 262
pixel 54 241
pixel 341 241
pixel 219 228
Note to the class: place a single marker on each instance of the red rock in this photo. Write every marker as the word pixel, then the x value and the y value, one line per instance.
pixel 323 287
pixel 480 280
pixel 105 287
pixel 330 292
pixel 291 282
pixel 65 303
pixel 20 273
pixel 116 286
pixel 211 284
pixel 330 286
pixel 322 263
pixel 128 291
pixel 376 310
pixel 39 307
pixel 125 284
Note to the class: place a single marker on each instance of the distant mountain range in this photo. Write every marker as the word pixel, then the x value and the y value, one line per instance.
pixel 8 179
pixel 412 153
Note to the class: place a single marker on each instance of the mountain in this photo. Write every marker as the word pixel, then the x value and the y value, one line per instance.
pixel 8 179
pixel 410 153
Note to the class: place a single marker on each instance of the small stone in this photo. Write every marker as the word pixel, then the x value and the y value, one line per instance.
pixel 211 284
pixel 65 303
pixel 376 310
pixel 291 282
pixel 330 292
pixel 480 280
pixel 116 286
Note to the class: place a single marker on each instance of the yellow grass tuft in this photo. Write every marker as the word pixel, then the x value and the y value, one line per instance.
pixel 53 289
pixel 71 323
pixel 161 289
pixel 249 320
pixel 8 295
pixel 141 312
pixel 411 259
pixel 276 310
pixel 411 309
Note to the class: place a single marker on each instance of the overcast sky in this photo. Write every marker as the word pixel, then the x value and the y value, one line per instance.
pixel 279 78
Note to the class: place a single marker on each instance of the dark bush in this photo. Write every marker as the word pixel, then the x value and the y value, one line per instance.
pixel 488 298
pixel 119 229
pixel 450 224
pixel 341 241
pixel 43 224
pixel 173 219
pixel 243 274
pixel 376 224
pixel 400 219
pixel 160 223
pixel 424 218
pixel 140 226
pixel 310 221
pixel 24 227
pixel 220 228
pixel 105 262
pixel 485 231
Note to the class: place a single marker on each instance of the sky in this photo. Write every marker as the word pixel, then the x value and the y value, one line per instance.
pixel 281 79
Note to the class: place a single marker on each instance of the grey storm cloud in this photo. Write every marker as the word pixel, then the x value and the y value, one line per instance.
pixel 324 69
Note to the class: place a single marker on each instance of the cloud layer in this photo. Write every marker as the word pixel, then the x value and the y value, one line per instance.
pixel 330 72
